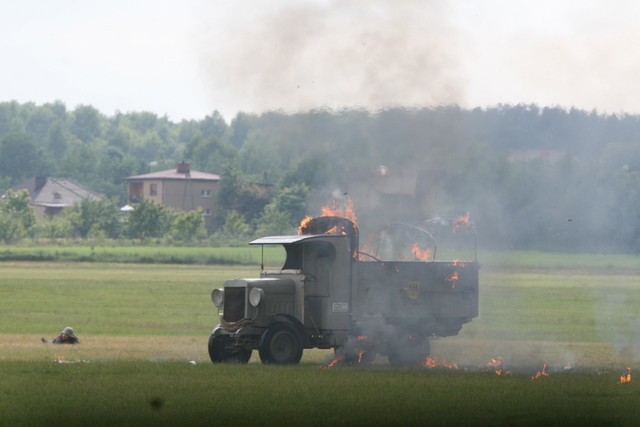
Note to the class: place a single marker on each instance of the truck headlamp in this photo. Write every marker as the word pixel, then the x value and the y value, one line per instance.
pixel 217 297
pixel 255 296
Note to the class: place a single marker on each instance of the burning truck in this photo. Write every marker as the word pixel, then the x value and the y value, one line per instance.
pixel 329 295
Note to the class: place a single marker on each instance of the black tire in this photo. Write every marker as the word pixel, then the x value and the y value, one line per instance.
pixel 281 345
pixel 219 354
pixel 216 349
pixel 408 350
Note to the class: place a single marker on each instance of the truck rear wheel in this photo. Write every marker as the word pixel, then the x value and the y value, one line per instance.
pixel 218 352
pixel 281 345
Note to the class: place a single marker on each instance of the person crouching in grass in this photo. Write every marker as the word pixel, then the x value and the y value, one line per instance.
pixel 66 337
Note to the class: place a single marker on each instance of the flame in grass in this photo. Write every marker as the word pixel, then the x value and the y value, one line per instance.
pixel 432 363
pixel 497 364
pixel 336 360
pixel 542 372
pixel 626 378
pixel 360 354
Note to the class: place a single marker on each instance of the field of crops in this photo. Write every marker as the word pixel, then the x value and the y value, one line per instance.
pixel 143 360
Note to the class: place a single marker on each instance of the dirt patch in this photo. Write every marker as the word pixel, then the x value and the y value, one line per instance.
pixel 113 348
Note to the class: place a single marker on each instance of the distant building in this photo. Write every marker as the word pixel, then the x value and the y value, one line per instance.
pixel 179 188
pixel 50 196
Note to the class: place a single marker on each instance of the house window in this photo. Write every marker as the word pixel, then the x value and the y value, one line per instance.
pixel 205 193
pixel 207 212
pixel 153 189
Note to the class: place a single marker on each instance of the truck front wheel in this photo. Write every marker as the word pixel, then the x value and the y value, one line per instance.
pixel 281 345
pixel 218 352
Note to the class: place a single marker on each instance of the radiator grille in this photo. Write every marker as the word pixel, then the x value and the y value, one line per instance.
pixel 234 299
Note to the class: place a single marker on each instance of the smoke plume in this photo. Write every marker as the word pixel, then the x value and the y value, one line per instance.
pixel 333 54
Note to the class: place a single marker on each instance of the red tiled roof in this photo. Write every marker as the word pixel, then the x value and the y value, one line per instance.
pixel 172 174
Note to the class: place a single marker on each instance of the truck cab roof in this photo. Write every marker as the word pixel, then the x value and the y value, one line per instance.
pixel 282 240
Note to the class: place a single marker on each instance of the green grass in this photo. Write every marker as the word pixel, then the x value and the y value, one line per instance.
pixel 248 255
pixel 137 393
pixel 111 299
pixel 565 261
pixel 141 324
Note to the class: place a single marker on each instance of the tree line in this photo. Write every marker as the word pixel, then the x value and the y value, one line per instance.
pixel 547 178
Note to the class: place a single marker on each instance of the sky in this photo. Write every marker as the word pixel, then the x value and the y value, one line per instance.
pixel 186 59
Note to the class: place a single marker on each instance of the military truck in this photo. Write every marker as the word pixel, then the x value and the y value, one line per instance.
pixel 329 295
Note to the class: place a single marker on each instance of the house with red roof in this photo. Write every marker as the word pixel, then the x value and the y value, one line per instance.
pixel 180 188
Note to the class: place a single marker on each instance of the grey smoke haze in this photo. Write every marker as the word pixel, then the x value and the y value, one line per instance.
pixel 189 58
pixel 303 55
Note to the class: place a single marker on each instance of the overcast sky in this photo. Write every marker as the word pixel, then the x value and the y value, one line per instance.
pixel 187 58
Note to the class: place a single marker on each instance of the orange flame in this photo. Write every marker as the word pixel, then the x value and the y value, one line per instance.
pixel 419 253
pixel 457 263
pixel 462 221
pixel 498 365
pixel 430 363
pixel 542 372
pixel 334 362
pixel 453 279
pixel 304 223
pixel 333 210
pixel 626 378
pixel 345 212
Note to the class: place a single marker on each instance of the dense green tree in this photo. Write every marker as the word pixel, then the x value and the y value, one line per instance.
pixel 234 226
pixel 17 218
pixel 519 169
pixel 21 158
pixel 214 126
pixel 241 125
pixel 274 222
pixel 10 121
pixel 58 142
pixel 188 226
pixel 149 220
pixel 57 227
pixel 228 189
pixel 39 123
pixel 86 123
pixel 95 216
pixel 209 154
pixel 81 161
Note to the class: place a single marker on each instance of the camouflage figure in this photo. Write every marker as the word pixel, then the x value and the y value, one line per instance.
pixel 66 337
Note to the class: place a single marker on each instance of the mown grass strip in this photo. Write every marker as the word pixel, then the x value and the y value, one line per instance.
pixel 138 393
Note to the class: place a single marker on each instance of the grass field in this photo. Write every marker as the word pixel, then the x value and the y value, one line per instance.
pixel 143 360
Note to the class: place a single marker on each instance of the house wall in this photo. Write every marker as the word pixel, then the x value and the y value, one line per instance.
pixel 38 211
pixel 180 194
